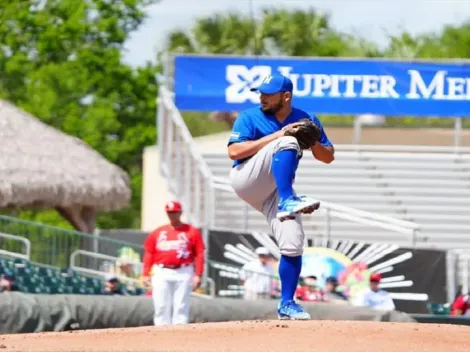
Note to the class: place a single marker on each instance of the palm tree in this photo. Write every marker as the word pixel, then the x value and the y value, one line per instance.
pixel 221 34
pixel 278 32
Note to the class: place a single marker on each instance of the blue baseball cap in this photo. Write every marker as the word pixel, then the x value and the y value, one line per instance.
pixel 275 84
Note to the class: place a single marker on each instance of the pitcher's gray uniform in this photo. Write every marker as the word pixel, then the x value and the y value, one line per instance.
pixel 263 172
pixel 253 182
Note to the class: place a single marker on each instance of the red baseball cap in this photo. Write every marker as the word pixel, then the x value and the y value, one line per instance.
pixel 173 207
pixel 375 277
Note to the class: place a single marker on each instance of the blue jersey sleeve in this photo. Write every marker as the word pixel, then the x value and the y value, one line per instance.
pixel 242 129
pixel 323 137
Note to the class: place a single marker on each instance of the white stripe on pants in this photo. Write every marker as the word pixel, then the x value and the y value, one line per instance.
pixel 171 293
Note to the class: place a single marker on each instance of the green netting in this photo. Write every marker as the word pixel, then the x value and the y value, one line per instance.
pixel 52 245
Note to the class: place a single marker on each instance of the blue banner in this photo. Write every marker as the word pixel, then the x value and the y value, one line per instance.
pixel 333 86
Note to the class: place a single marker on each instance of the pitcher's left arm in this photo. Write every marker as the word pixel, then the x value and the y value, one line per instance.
pixel 323 150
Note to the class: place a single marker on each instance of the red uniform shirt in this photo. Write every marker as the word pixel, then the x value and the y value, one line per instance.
pixel 461 303
pixel 171 246
pixel 304 294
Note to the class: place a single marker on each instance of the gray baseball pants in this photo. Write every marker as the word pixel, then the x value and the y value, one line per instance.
pixel 254 183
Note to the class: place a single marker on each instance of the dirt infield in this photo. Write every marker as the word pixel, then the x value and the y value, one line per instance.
pixel 272 336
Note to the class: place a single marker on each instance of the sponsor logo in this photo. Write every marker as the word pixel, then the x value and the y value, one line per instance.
pixel 241 80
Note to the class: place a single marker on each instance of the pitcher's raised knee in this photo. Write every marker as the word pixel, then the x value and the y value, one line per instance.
pixel 287 143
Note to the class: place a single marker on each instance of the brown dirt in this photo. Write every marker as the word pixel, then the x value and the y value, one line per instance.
pixel 266 336
pixel 399 136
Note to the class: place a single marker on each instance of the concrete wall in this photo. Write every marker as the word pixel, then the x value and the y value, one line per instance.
pixel 155 191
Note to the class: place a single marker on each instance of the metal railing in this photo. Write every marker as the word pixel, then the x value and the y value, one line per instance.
pixel 228 281
pixel 331 210
pixel 102 264
pixel 460 263
pixel 449 150
pixel 188 177
pixel 53 246
pixel 10 245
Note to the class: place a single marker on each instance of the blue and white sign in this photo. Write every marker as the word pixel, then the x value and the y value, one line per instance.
pixel 336 86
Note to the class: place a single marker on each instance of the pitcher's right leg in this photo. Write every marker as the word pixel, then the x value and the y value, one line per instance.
pixel 290 238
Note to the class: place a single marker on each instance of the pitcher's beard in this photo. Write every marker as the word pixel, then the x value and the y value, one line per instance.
pixel 273 109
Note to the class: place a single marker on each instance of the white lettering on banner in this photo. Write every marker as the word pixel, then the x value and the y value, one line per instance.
pixel 320 85
pixel 435 88
pixel 457 88
pixel 337 86
pixel 350 82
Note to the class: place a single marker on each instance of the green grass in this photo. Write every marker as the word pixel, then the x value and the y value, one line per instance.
pixel 199 123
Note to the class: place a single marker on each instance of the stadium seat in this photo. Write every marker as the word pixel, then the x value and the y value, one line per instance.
pixel 19 271
pixel 438 308
pixel 430 189
pixel 6 264
pixel 70 281
pixel 36 278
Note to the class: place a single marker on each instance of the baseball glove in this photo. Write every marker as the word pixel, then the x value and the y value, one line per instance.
pixel 307 133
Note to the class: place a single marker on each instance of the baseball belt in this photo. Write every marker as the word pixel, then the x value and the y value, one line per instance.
pixel 166 266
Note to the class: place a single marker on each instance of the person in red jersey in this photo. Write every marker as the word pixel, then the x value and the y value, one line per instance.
pixel 309 290
pixel 461 305
pixel 173 265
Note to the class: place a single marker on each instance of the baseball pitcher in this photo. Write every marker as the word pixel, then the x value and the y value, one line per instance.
pixel 174 257
pixel 266 145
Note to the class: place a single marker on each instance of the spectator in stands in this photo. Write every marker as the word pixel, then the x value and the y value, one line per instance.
pixel 128 263
pixel 256 276
pixel 375 297
pixel 331 291
pixel 113 286
pixel 309 290
pixel 461 305
pixel 8 284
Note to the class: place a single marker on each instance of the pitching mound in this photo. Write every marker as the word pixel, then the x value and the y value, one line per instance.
pixel 272 336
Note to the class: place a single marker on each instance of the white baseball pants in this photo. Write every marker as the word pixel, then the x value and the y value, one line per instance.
pixel 171 294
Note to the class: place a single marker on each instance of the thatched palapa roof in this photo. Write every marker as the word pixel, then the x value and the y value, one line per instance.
pixel 41 167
